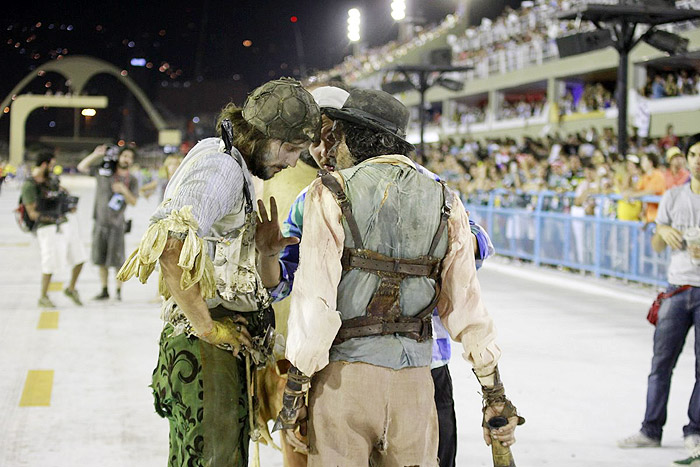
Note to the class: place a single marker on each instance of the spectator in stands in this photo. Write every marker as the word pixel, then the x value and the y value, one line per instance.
pixel 652 182
pixel 658 88
pixel 625 181
pixel 676 174
pixel 584 205
pixel 679 210
pixel 536 178
pixel 669 140
pixel 670 87
pixel 575 167
pixel 558 179
pixel 686 85
pixel 482 181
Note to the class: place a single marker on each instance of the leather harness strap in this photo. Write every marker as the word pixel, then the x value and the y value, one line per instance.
pixel 374 262
pixel 418 327
pixel 332 184
pixel 383 311
pixel 444 216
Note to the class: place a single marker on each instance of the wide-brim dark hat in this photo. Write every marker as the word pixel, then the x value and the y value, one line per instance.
pixel 374 109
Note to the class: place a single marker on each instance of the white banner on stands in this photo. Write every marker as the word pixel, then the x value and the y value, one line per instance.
pixel 641 115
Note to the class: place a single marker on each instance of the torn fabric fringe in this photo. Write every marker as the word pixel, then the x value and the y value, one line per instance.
pixel 196 264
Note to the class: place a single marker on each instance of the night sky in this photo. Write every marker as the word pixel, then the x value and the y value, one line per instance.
pixel 189 42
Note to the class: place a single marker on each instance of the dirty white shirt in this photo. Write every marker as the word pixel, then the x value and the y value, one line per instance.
pixel 314 320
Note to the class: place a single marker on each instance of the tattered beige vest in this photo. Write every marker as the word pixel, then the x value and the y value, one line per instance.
pixel 223 263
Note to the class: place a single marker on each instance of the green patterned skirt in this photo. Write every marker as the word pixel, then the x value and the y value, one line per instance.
pixel 201 390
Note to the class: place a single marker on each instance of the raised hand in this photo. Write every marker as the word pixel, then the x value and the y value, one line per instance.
pixel 269 240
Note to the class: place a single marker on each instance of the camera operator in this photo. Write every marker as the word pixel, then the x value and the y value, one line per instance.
pixel 116 188
pixel 50 207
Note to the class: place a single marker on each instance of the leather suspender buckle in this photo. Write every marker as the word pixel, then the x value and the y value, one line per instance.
pixel 445 212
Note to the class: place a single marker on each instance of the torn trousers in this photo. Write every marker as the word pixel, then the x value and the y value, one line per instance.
pixel 201 390
pixel 362 413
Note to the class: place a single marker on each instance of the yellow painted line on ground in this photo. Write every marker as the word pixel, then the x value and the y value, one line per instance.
pixel 55 286
pixel 14 245
pixel 48 320
pixel 37 389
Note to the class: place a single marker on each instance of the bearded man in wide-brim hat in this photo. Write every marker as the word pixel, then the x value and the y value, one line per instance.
pixel 383 245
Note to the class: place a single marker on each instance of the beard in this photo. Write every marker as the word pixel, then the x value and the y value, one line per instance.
pixel 263 172
pixel 343 157
pixel 258 163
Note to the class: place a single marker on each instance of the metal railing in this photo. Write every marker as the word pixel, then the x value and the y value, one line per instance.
pixel 546 228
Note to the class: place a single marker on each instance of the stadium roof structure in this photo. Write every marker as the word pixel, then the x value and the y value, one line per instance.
pixel 636 13
pixel 622 20
pixel 424 72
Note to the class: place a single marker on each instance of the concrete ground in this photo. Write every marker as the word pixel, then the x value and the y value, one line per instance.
pixel 74 389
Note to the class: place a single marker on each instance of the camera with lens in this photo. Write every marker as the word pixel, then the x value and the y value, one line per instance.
pixel 55 202
pixel 67 202
pixel 109 162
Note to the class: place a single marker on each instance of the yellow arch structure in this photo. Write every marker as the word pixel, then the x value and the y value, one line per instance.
pixel 79 70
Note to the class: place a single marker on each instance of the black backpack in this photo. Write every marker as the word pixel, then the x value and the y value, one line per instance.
pixel 25 223
pixel 22 217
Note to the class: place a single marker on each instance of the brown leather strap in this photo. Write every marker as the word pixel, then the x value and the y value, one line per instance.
pixel 378 329
pixel 332 184
pixel 385 301
pixel 418 327
pixel 374 262
pixel 444 216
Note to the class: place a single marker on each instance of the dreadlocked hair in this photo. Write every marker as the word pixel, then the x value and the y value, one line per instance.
pixel 365 143
pixel 246 138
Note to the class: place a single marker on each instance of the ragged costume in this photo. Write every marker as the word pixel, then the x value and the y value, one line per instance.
pixel 391 244
pixel 205 391
pixel 219 254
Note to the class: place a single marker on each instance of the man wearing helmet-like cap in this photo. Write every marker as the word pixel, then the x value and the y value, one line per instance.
pixel 219 326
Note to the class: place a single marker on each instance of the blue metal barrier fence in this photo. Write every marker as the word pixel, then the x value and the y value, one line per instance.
pixel 546 228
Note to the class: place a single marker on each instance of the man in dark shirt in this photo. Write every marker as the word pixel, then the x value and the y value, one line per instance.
pixel 114 191
pixel 58 237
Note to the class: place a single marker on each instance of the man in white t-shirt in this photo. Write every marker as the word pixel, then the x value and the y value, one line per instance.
pixel 679 211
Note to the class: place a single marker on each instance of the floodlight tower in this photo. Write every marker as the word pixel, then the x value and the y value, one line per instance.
pixel 354 21
pixel 398 13
pixel 398 9
pixel 621 20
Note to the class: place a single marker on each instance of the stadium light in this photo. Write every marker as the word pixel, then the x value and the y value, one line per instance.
pixel 398 9
pixel 354 25
pixel 667 42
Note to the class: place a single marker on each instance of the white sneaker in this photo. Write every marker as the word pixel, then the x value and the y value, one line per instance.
pixel 691 442
pixel 638 440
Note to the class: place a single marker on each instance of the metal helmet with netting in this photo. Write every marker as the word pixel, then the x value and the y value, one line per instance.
pixel 282 109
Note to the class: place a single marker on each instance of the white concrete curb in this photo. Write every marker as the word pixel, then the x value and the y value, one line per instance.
pixel 637 293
